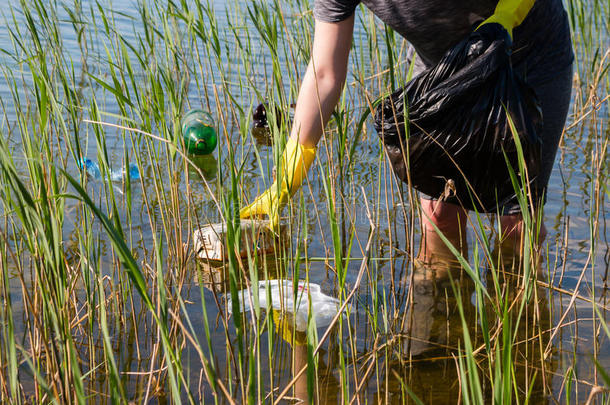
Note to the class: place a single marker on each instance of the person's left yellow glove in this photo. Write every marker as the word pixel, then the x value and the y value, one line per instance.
pixel 294 164
pixel 510 13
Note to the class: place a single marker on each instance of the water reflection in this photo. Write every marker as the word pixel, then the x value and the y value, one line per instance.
pixel 206 163
pixel 432 334
pixel 214 275
pixel 326 387
pixel 262 136
pixel 426 341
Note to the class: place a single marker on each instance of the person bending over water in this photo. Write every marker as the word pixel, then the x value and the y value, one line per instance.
pixel 542 55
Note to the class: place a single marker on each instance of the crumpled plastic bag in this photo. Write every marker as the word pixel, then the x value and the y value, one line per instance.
pixel 457 128
pixel 284 300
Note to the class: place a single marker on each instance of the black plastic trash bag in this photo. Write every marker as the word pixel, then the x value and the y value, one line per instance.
pixel 458 130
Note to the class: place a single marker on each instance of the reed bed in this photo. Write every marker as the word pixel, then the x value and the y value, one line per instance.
pixel 104 300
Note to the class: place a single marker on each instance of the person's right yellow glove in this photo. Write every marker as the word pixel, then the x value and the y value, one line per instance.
pixel 291 173
pixel 509 14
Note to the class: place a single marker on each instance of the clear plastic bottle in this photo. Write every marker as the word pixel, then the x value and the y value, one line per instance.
pixel 91 167
pixel 134 173
pixel 199 133
pixel 93 170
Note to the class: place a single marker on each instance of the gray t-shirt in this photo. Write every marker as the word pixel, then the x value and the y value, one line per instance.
pixel 541 44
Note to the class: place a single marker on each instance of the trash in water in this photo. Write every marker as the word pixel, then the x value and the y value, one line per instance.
pixel 93 170
pixel 199 133
pixel 256 238
pixel 284 299
pixel 259 116
pixel 134 173
pixel 260 122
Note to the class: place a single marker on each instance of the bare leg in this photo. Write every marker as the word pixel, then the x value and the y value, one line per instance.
pixel 510 244
pixel 427 323
pixel 512 229
pixel 450 219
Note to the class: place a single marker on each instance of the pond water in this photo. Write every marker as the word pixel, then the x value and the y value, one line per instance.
pixel 142 65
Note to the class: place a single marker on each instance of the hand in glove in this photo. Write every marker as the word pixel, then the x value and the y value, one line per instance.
pixel 294 164
pixel 510 13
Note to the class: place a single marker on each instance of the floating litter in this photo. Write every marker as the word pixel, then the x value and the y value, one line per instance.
pixel 134 173
pixel 93 170
pixel 199 133
pixel 284 300
pixel 256 238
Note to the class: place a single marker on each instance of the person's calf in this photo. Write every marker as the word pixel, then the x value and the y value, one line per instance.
pixel 512 230
pixel 448 219
pixel 510 243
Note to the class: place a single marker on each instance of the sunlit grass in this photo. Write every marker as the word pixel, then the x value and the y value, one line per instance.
pixel 103 298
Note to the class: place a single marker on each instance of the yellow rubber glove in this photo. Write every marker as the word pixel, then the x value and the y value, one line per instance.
pixel 510 13
pixel 291 173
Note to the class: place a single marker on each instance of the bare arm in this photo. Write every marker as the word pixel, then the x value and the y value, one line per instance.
pixel 323 81
pixel 318 96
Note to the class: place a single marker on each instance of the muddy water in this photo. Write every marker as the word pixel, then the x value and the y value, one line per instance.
pixel 405 327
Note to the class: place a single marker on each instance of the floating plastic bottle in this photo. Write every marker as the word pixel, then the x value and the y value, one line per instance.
pixel 284 300
pixel 199 133
pixel 93 170
pixel 134 173
pixel 259 116
pixel 261 128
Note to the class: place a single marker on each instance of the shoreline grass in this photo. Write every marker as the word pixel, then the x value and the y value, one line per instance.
pixel 103 299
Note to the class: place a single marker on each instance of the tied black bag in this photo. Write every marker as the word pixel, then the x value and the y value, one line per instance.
pixel 458 129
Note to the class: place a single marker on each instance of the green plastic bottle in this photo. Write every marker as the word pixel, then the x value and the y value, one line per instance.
pixel 199 133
